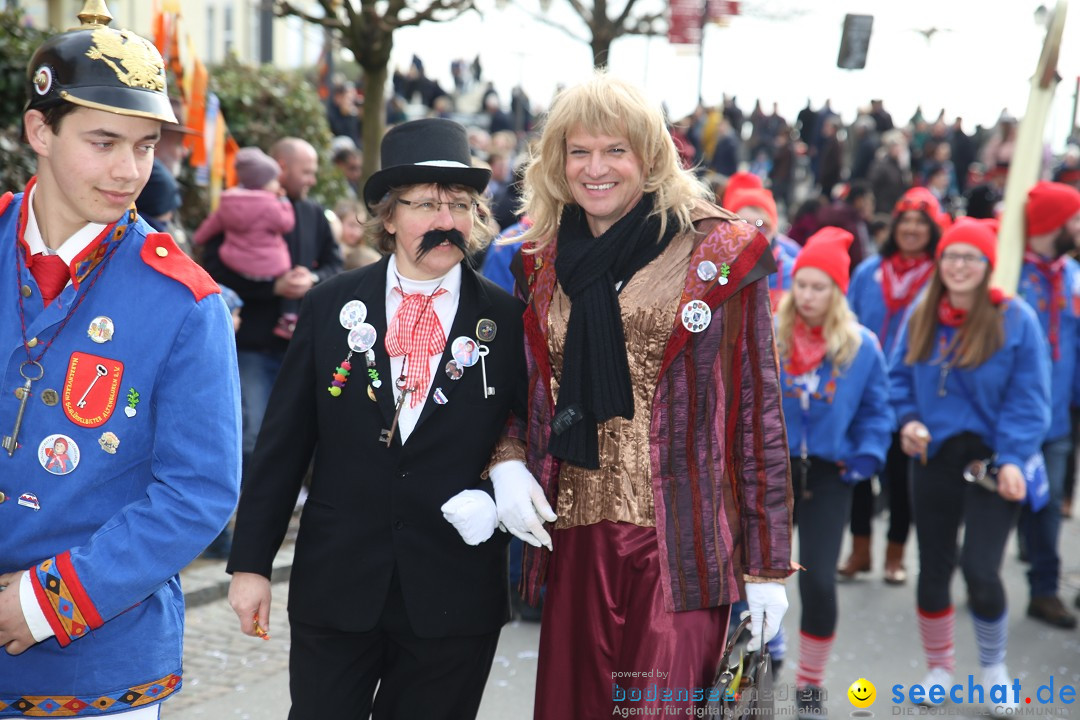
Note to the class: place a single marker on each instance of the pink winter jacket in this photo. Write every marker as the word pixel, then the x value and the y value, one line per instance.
pixel 253 222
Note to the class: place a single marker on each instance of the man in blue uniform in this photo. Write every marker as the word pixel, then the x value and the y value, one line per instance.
pixel 119 397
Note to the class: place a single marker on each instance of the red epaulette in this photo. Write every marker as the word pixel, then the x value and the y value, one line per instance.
pixel 161 253
pixel 5 200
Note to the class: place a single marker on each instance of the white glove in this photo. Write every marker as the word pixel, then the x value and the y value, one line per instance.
pixel 473 515
pixel 767 600
pixel 521 502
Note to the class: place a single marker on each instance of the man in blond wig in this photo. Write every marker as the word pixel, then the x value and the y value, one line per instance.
pixel 663 453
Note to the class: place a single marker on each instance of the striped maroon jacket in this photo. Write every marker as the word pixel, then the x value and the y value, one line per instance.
pixel 720 466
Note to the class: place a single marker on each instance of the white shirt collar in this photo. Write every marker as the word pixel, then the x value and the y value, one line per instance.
pixel 450 282
pixel 70 249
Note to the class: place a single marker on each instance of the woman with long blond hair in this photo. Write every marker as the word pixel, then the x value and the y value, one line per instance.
pixel 969 381
pixel 839 426
pixel 654 425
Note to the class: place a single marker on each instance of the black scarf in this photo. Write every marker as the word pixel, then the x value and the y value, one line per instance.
pixel 595 382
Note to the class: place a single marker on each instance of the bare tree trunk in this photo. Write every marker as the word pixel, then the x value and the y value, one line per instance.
pixel 374 118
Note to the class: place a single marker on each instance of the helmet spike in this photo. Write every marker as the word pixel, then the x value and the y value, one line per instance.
pixel 95 12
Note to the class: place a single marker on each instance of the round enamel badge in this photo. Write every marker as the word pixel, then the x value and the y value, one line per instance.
pixel 58 454
pixel 696 316
pixel 362 337
pixel 352 314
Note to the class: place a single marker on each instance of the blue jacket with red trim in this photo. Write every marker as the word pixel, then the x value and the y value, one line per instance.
pixel 139 389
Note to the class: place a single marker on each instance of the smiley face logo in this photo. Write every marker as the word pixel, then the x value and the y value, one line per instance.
pixel 862 693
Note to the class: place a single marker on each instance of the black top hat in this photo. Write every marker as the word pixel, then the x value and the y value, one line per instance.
pixel 432 150
pixel 100 68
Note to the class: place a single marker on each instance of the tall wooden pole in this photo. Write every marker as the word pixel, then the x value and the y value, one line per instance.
pixel 1027 157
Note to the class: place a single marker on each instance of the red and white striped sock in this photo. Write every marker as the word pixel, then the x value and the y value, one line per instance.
pixel 813 656
pixel 936 630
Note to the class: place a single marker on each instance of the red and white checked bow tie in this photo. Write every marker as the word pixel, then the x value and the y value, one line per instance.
pixel 416 333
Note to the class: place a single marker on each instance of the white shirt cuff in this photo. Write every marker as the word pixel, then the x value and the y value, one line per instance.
pixel 35 618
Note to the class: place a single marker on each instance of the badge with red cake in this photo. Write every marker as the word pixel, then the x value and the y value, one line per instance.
pixel 91 388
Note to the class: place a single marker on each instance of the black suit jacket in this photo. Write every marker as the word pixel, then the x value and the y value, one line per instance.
pixel 372 508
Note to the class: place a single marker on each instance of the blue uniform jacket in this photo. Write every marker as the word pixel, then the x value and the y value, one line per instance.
pixel 1011 390
pixel 849 411
pixel 154 479
pixel 867 302
pixel 1064 377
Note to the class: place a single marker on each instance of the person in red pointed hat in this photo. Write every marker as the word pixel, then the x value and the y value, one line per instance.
pixel 882 288
pixel 970 385
pixel 839 426
pixel 1050 282
pixel 102 312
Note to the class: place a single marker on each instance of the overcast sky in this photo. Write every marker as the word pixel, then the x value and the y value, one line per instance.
pixel 785 51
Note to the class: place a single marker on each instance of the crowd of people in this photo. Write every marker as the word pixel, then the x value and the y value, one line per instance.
pixel 691 341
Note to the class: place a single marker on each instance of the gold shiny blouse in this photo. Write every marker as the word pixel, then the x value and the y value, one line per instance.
pixel 621 489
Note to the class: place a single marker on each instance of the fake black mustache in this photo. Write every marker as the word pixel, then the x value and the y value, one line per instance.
pixel 434 238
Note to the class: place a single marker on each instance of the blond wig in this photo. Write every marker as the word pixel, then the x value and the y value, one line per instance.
pixel 606 105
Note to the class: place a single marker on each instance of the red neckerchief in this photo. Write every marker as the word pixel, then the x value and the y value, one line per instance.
pixel 416 333
pixel 902 278
pixel 806 349
pixel 953 317
pixel 1054 274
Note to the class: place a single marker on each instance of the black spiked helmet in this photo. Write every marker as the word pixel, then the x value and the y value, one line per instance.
pixel 432 150
pixel 100 68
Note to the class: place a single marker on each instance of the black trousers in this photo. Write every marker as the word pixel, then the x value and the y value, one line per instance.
pixel 821 514
pixel 896 483
pixel 333 674
pixel 942 500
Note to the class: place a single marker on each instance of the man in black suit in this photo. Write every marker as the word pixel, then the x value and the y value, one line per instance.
pixel 399 579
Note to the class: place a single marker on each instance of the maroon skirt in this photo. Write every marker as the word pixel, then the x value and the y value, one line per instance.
pixel 606 640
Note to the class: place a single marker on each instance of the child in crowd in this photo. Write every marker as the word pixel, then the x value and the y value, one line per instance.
pixel 254 218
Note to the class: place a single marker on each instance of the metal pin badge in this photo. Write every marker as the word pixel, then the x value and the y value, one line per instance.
pixel 486 329
pixel 439 396
pixel 109 442
pixel 706 270
pixel 29 500
pixel 50 397
pixel 454 371
pixel 132 401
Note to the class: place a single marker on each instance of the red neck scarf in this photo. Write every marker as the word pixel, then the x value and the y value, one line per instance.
pixel 954 317
pixel 1053 271
pixel 416 333
pixel 806 348
pixel 901 280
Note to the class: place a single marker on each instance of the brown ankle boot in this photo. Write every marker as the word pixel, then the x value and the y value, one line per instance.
pixel 895 573
pixel 859 560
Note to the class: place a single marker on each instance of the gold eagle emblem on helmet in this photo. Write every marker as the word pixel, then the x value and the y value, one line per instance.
pixel 140 64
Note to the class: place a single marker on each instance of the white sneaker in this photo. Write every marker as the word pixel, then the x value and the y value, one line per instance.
pixel 998 675
pixel 936 676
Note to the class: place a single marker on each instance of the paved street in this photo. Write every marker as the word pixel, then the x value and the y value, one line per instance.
pixel 229 675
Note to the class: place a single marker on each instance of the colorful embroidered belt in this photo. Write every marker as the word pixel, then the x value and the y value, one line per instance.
pixel 54 706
